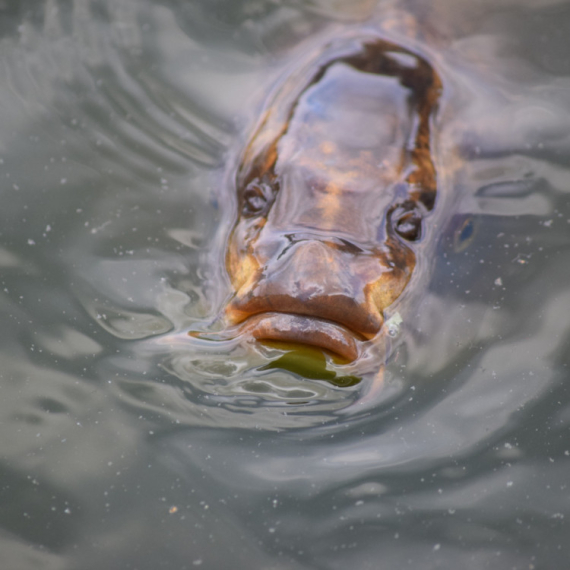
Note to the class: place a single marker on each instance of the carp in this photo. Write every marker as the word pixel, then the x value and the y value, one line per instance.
pixel 334 191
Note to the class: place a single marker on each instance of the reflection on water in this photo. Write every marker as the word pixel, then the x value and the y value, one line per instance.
pixel 126 443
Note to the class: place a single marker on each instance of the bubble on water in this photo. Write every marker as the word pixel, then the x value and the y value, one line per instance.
pixel 393 325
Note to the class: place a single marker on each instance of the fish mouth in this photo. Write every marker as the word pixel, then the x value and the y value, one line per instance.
pixel 303 329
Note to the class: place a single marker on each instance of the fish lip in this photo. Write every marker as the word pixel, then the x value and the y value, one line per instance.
pixel 344 311
pixel 305 329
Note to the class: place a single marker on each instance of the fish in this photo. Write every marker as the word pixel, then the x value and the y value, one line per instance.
pixel 336 188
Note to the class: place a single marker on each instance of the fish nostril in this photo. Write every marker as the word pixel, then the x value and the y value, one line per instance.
pixel 329 242
pixel 291 242
pixel 348 247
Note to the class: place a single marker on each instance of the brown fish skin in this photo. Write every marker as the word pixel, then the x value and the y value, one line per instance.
pixel 333 190
pixel 304 330
pixel 318 279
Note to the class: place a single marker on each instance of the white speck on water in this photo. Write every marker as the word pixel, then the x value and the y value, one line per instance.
pixel 509 483
pixel 393 325
pixel 436 547
pixel 499 282
pixel 31 242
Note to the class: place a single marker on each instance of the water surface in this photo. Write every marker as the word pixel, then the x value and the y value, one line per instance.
pixel 125 446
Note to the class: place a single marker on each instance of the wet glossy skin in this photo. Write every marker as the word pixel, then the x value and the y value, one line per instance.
pixel 333 191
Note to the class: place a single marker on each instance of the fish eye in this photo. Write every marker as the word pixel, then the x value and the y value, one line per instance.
pixel 256 198
pixel 407 222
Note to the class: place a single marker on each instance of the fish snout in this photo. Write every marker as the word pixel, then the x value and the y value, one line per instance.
pixel 314 292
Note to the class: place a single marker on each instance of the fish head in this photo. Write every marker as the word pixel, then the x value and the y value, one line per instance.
pixel 333 192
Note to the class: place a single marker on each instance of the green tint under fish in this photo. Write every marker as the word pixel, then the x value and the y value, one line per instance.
pixel 308 362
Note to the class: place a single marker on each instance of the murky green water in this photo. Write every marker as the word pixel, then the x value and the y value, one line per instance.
pixel 126 446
